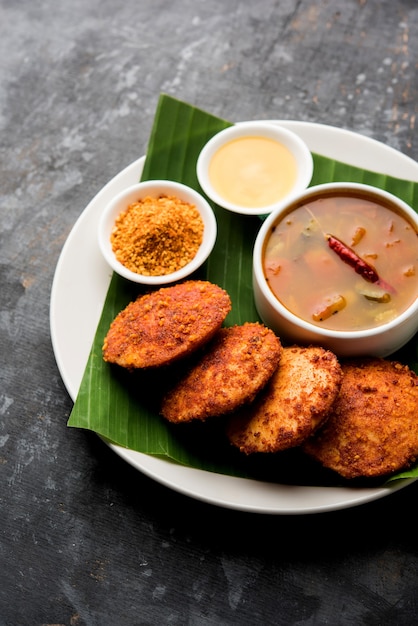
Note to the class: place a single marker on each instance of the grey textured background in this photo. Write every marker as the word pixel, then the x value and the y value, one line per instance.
pixel 85 539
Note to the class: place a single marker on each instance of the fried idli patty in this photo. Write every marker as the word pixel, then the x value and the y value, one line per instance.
pixel 373 428
pixel 237 364
pixel 165 325
pixel 293 404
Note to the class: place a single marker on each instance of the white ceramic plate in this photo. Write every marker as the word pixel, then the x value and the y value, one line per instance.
pixel 78 293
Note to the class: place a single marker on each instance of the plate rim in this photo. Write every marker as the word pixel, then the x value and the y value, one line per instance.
pixel 248 495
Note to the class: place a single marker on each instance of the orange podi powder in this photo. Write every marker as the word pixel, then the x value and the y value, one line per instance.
pixel 157 236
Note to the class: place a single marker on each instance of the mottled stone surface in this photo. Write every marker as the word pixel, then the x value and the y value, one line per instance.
pixel 85 539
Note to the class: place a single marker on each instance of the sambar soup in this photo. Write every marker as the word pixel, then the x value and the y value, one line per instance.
pixel 343 261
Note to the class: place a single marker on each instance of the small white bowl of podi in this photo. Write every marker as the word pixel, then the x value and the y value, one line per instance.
pixel 338 266
pixel 157 232
pixel 252 167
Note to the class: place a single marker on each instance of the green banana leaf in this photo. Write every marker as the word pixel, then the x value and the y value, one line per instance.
pixel 123 407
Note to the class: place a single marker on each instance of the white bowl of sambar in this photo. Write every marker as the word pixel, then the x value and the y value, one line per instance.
pixel 337 266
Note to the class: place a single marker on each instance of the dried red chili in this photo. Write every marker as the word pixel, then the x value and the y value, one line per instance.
pixel 359 265
pixel 348 255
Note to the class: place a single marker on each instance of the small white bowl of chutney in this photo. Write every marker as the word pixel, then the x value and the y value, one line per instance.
pixel 337 266
pixel 253 167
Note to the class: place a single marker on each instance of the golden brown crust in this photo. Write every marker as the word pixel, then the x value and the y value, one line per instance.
pixel 236 365
pixel 373 428
pixel 165 325
pixel 293 404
